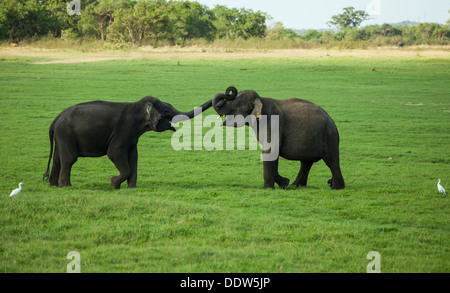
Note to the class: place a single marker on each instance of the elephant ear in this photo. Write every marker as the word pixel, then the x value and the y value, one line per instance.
pixel 152 116
pixel 257 108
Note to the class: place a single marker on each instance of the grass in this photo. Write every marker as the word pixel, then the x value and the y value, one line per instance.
pixel 205 211
pixel 229 45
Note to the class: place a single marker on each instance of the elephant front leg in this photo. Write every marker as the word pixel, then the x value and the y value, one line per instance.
pixel 132 162
pixel 271 175
pixel 120 160
pixel 269 179
pixel 270 144
pixel 282 182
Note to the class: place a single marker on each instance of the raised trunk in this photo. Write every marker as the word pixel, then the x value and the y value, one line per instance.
pixel 218 101
pixel 191 114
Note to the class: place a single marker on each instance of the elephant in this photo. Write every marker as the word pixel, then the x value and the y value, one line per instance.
pixel 306 133
pixel 98 128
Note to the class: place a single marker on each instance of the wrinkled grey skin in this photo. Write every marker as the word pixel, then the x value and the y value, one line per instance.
pixel 306 133
pixel 99 128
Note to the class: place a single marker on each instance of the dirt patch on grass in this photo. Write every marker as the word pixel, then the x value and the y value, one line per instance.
pixel 83 60
pixel 199 52
pixel 65 56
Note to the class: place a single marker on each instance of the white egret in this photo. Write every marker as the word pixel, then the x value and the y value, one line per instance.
pixel 17 190
pixel 440 188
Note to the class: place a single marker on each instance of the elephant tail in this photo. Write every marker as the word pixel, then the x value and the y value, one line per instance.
pixel 50 134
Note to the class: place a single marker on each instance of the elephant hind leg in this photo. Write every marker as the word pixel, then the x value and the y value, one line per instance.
pixel 302 176
pixel 336 181
pixel 68 158
pixel 56 168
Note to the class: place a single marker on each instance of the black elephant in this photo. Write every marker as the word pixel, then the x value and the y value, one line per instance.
pixel 306 133
pixel 99 128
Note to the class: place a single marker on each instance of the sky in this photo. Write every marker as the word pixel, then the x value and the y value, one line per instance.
pixel 314 14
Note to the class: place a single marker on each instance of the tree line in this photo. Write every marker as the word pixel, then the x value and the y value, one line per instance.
pixel 150 21
pixel 127 20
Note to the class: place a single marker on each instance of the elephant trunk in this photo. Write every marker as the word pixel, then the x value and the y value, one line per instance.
pixel 219 100
pixel 231 93
pixel 191 114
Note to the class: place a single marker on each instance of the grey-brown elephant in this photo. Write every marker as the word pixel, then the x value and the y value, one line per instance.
pixel 99 128
pixel 306 133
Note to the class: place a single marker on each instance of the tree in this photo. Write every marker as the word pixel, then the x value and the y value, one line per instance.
pixel 431 31
pixel 251 24
pixel 239 23
pixel 312 35
pixel 277 31
pixel 23 19
pixel 98 15
pixel 350 18
pixel 225 19
pixel 148 19
pixel 59 19
pixel 191 20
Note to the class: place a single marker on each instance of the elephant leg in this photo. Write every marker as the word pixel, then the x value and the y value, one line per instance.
pixel 337 181
pixel 132 162
pixel 302 176
pixel 271 175
pixel 56 168
pixel 68 157
pixel 120 159
pixel 282 182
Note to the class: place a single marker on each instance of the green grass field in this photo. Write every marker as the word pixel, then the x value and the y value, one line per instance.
pixel 206 211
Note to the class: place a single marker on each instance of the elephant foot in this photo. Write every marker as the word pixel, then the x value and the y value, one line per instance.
pixel 64 184
pixel 295 186
pixel 284 184
pixel 114 185
pixel 337 187
pixel 336 184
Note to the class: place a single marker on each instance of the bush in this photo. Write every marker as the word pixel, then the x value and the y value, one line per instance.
pixel 70 34
pixel 157 22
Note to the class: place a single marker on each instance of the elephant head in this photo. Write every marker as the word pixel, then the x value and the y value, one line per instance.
pixel 244 104
pixel 161 114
